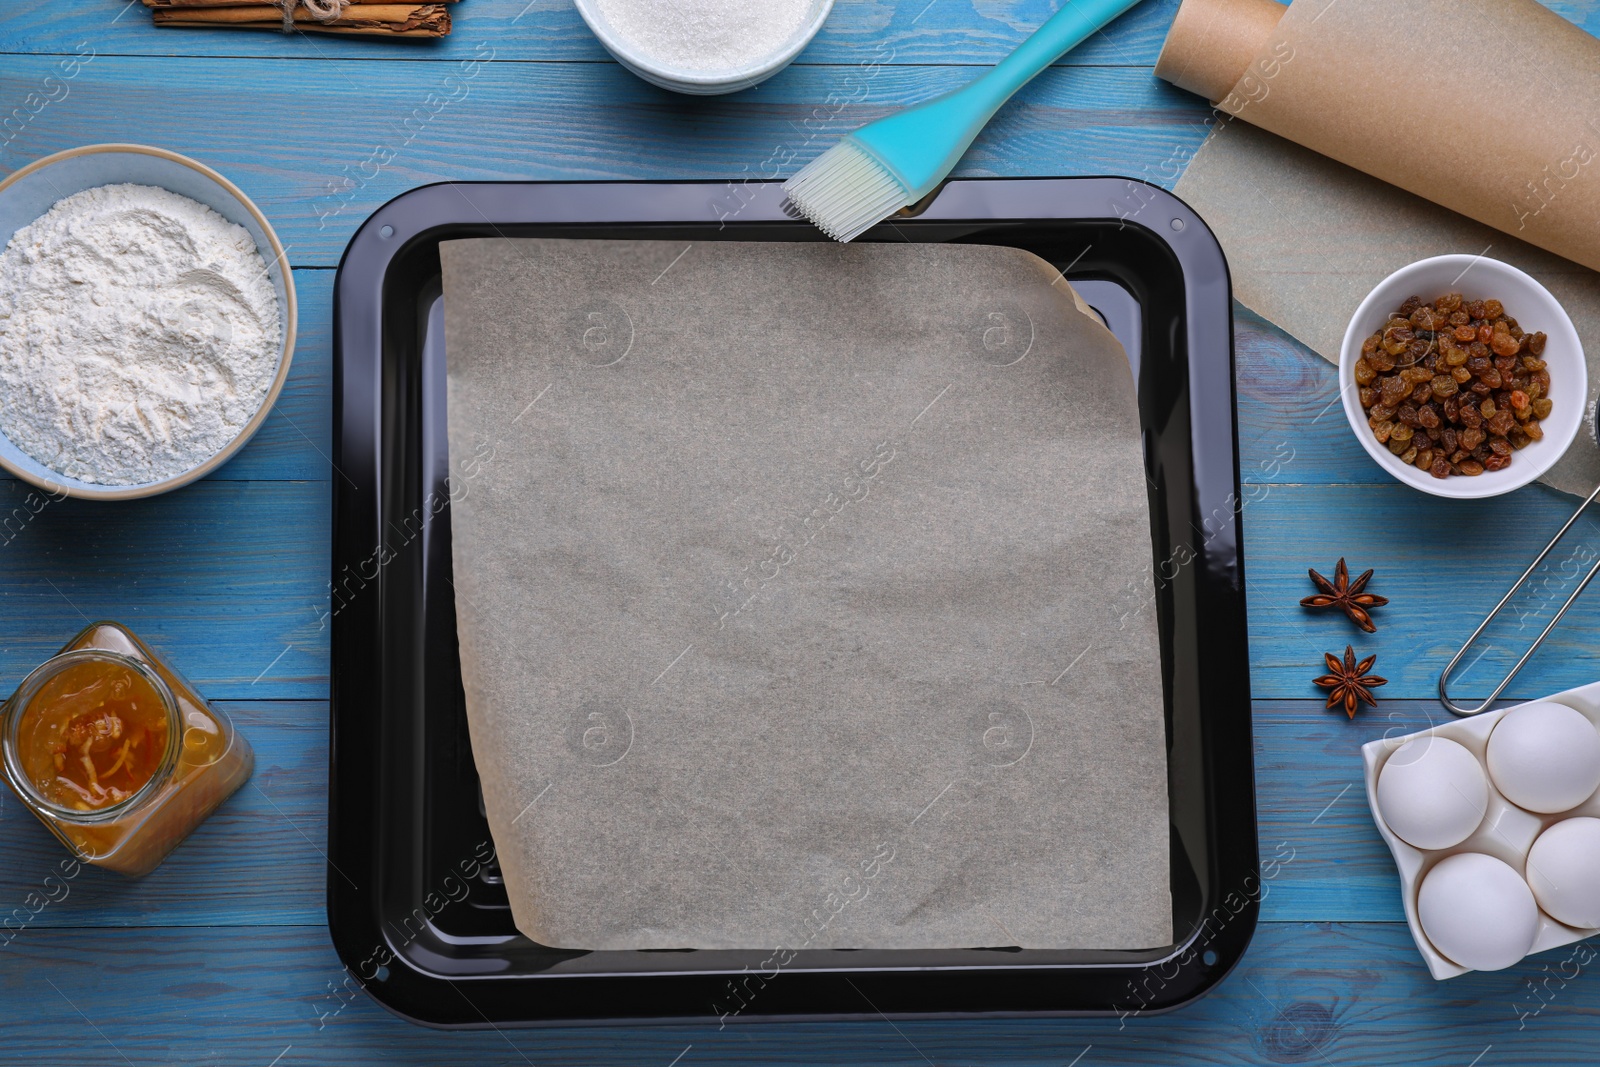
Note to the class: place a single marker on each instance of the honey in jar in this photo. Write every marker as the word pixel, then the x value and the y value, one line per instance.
pixel 116 753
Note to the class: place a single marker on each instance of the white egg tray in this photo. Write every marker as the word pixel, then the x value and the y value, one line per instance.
pixel 1507 831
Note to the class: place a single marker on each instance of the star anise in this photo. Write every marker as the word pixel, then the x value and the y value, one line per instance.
pixel 1345 595
pixel 1349 681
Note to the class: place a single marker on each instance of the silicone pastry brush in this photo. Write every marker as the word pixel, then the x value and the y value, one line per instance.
pixel 885 165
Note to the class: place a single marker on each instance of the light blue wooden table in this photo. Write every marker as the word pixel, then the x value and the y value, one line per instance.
pixel 222 955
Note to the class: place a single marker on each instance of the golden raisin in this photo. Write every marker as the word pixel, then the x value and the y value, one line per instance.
pixel 1453 386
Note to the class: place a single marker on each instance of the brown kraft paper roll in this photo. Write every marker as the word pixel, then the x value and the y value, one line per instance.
pixel 1488 107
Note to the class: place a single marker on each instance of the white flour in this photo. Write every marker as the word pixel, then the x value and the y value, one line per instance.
pixel 138 335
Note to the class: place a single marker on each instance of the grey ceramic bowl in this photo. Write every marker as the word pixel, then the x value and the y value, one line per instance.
pixel 30 192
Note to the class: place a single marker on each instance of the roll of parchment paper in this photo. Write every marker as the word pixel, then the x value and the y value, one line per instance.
pixel 1488 107
pixel 1406 90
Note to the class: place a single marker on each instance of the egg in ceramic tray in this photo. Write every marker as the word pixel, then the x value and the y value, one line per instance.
pixel 1494 823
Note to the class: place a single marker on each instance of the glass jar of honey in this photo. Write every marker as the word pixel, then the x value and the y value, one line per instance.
pixel 115 752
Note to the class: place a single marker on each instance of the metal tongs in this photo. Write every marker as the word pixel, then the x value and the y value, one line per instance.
pixel 1444 697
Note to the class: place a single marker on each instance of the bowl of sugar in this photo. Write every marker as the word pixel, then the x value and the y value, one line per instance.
pixel 704 47
pixel 147 321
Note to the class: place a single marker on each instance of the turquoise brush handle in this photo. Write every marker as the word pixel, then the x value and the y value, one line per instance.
pixel 922 144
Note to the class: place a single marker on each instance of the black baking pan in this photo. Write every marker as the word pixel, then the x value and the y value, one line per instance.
pixel 415 906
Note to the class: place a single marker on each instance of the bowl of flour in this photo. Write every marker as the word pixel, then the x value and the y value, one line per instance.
pixel 704 47
pixel 147 321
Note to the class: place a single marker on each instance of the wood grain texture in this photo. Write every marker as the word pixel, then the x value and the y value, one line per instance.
pixel 258 860
pixel 228 579
pixel 920 32
pixel 220 955
pixel 378 129
pixel 1443 565
pixel 1340 994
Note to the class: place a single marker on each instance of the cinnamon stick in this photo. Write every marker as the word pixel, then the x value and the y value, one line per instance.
pixel 376 19
pixel 247 3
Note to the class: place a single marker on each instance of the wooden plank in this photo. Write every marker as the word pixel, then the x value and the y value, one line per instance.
pixel 228 579
pixel 1442 563
pixel 1292 429
pixel 1322 858
pixel 1312 494
pixel 921 32
pixel 377 130
pixel 1341 993
pixel 924 31
pixel 1306 993
pixel 258 860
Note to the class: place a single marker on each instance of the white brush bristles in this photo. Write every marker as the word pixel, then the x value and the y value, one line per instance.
pixel 845 191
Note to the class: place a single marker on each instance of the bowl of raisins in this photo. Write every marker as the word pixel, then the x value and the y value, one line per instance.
pixel 1463 377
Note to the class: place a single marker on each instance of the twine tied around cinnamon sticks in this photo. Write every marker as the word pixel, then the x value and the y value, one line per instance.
pixel 321 10
pixel 408 19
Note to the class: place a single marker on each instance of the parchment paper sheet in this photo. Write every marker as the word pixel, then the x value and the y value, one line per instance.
pixel 1415 92
pixel 1488 107
pixel 1307 238
pixel 801 594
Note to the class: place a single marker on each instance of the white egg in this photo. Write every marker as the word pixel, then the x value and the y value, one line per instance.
pixel 1564 872
pixel 1477 911
pixel 1432 792
pixel 1545 757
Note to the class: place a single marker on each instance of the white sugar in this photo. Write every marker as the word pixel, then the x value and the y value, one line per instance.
pixel 706 36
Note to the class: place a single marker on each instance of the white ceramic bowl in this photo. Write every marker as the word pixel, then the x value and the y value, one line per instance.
pixel 1525 300
pixel 637 57
pixel 30 192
